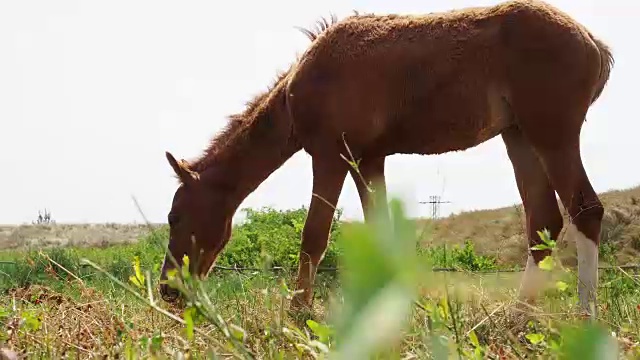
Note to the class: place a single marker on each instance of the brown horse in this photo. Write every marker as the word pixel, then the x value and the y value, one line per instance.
pixel 425 84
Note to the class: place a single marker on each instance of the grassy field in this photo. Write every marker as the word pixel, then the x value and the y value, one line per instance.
pixel 384 301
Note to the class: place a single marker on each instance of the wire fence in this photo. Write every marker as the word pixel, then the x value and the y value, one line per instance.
pixel 633 267
pixel 435 269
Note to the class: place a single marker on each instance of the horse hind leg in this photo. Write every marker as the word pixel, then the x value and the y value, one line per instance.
pixel 567 173
pixel 540 206
pixel 550 101
pixel 552 126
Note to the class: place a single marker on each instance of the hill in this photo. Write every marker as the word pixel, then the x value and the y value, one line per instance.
pixel 501 232
pixel 497 232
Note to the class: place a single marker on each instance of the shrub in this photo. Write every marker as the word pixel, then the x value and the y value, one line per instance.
pixel 464 257
pixel 266 236
pixel 273 236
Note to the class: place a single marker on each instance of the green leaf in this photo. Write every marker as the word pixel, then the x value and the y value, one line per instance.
pixel 156 342
pixel 237 332
pixel 171 274
pixel 31 321
pixel 474 339
pixel 535 338
pixel 138 278
pixel 561 285
pixel 323 332
pixel 588 342
pixel 185 267
pixel 443 308
pixel 189 323
pixel 540 247
pixel 4 313
pixel 545 236
pixel 548 263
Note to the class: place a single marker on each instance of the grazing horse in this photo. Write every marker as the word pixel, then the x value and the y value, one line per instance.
pixel 411 84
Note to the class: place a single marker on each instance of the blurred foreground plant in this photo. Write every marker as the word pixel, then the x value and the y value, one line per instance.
pixel 379 282
pixel 380 277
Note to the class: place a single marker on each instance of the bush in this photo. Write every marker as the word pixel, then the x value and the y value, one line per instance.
pixel 464 258
pixel 266 236
pixel 273 236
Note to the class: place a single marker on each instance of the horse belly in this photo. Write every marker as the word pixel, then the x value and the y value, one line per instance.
pixel 455 120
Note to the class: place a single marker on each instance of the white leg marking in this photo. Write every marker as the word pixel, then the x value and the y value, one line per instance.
pixel 532 280
pixel 587 268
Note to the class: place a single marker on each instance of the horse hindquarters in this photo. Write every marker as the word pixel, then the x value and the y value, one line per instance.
pixel 551 91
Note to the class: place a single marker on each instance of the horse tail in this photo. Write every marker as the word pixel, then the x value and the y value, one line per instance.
pixel 606 64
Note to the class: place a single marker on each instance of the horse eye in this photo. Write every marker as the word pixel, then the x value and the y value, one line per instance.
pixel 173 219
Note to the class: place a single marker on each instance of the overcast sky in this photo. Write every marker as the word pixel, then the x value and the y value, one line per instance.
pixel 92 93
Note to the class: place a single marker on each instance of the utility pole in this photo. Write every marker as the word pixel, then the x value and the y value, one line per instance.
pixel 434 201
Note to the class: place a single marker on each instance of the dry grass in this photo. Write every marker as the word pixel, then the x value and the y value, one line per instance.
pixel 92 323
pixel 85 325
pixel 82 322
pixel 501 233
pixel 77 235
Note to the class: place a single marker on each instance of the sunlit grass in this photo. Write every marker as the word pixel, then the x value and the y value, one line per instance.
pixel 384 303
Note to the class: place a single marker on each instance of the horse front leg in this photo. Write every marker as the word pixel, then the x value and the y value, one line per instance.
pixel 328 179
pixel 370 182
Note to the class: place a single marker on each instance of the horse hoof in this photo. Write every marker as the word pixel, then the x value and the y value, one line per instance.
pixel 168 293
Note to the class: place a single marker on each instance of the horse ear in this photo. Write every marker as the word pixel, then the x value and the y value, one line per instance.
pixel 181 169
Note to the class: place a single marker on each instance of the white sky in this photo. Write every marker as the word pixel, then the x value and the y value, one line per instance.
pixel 92 93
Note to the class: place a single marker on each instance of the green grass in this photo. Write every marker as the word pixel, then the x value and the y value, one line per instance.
pixel 385 303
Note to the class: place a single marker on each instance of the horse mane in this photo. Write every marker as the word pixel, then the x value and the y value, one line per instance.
pixel 321 26
pixel 238 124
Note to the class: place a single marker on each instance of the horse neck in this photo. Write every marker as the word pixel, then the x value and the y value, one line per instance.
pixel 248 159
